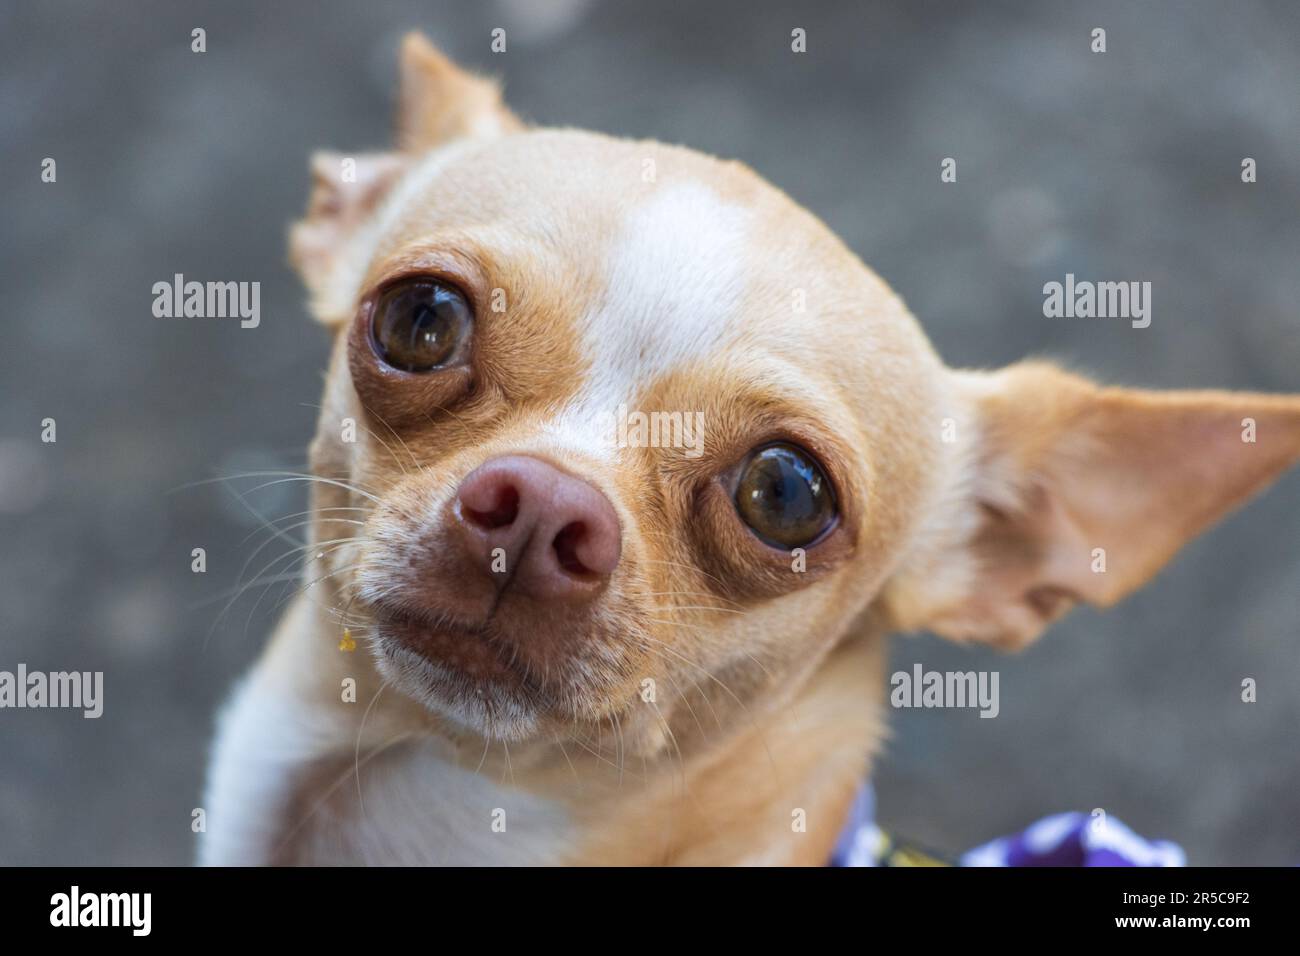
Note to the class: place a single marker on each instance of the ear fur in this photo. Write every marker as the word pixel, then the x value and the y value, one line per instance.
pixel 346 191
pixel 1072 492
pixel 439 103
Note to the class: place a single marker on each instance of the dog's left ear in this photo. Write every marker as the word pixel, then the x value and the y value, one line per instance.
pixel 1066 491
pixel 438 104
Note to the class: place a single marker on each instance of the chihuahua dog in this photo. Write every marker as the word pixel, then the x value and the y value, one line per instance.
pixel 535 631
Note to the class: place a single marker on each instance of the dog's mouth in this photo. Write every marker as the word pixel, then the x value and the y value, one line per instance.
pixel 487 679
pixel 468 674
pixel 476 653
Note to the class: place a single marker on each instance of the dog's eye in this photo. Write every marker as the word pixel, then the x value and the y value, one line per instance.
pixel 419 326
pixel 784 497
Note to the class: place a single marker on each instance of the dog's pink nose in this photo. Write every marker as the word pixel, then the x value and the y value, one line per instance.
pixel 545 533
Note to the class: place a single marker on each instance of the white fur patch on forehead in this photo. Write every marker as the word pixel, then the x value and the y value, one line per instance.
pixel 675 282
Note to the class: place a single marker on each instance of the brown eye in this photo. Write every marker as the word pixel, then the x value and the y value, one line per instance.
pixel 422 325
pixel 784 497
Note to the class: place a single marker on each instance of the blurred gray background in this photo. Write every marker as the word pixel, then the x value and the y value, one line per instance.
pixel 1123 165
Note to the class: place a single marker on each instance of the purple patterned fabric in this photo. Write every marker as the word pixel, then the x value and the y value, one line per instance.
pixel 1064 839
pixel 860 840
pixel 1076 839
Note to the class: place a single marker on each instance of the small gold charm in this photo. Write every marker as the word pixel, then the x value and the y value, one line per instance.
pixel 347 644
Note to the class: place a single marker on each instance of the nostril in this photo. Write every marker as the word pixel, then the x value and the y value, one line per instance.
pixel 500 509
pixel 560 533
pixel 566 545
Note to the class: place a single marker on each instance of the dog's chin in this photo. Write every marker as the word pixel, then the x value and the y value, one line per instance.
pixel 463 674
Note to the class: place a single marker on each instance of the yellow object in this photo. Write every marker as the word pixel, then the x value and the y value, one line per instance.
pixel 347 644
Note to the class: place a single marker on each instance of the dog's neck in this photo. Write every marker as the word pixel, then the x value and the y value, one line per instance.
pixel 362 780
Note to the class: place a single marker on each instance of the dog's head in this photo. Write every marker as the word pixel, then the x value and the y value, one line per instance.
pixel 632 437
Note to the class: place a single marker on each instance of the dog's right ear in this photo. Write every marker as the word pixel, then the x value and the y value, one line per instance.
pixel 346 192
pixel 439 104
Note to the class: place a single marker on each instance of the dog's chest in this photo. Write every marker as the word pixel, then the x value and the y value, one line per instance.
pixel 410 808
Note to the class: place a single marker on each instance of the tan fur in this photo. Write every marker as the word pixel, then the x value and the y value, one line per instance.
pixel 672 291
